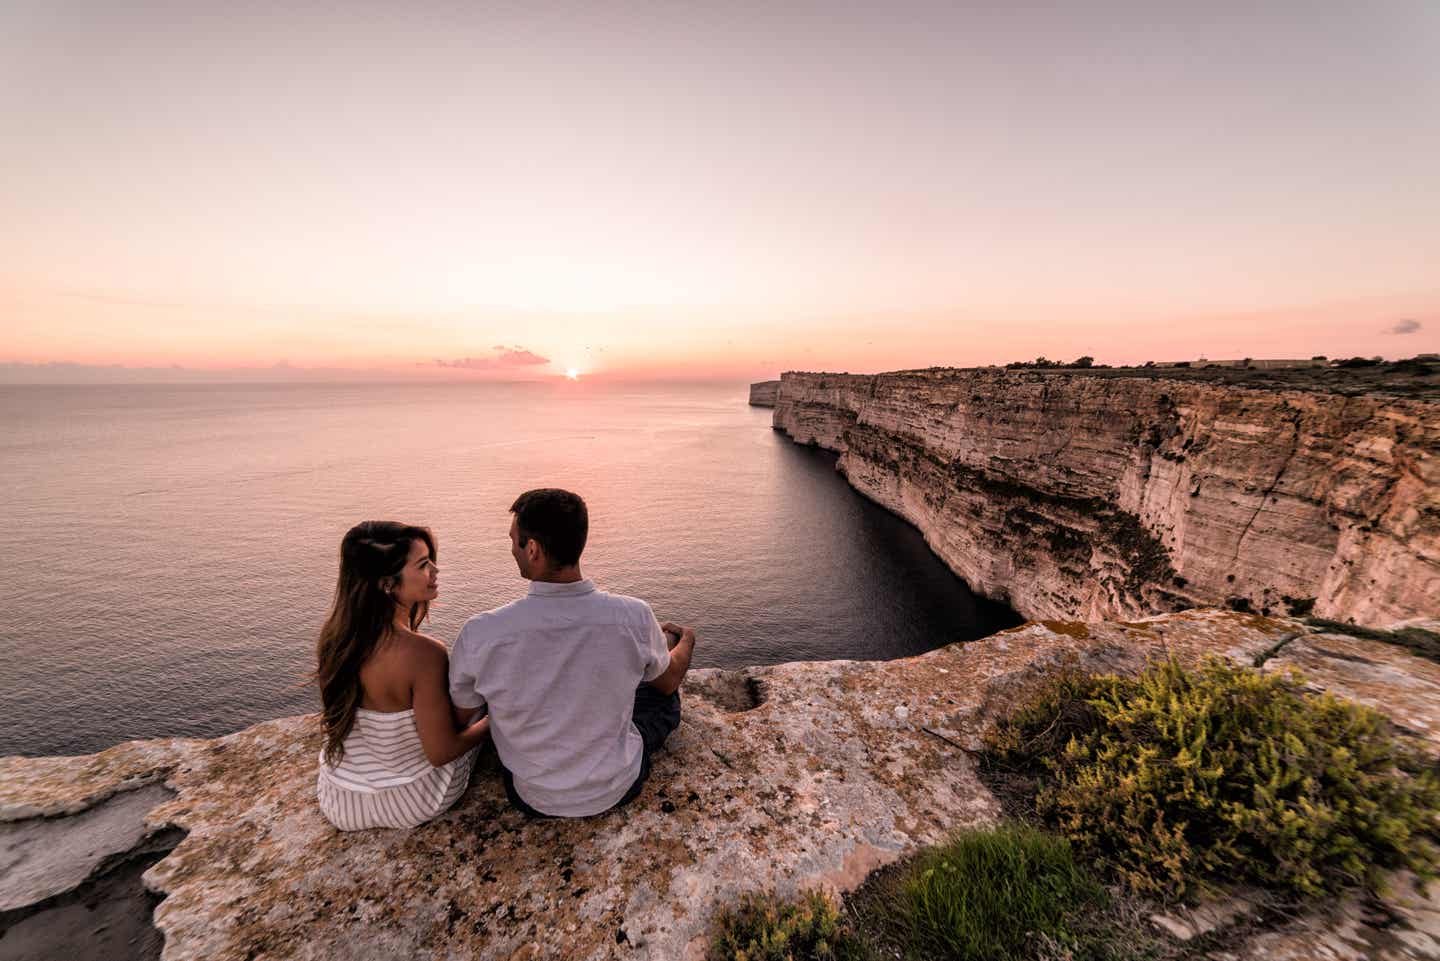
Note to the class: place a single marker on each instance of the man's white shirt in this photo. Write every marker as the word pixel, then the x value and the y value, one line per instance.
pixel 558 669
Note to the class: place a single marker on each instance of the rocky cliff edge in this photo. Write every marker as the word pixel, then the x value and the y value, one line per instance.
pixel 780 778
pixel 1079 496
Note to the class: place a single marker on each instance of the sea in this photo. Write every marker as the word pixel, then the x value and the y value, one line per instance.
pixel 170 551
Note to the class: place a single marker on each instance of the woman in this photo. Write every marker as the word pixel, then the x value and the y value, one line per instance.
pixel 397 752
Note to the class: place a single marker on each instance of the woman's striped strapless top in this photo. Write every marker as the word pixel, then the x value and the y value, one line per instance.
pixel 384 780
pixel 382 751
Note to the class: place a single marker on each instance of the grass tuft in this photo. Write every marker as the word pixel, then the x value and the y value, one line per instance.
pixel 999 894
pixel 766 928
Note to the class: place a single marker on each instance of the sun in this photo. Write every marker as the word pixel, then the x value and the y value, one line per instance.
pixel 572 372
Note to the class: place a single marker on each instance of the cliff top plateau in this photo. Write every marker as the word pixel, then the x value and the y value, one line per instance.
pixel 780 778
pixel 1413 378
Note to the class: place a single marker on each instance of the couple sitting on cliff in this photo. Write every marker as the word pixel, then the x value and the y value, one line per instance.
pixel 577 687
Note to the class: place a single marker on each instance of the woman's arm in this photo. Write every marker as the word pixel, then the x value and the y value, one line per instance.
pixel 435 716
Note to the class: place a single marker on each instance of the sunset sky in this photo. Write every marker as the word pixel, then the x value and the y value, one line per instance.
pixel 713 190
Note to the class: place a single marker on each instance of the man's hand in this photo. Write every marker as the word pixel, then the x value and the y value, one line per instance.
pixel 676 634
pixel 680 652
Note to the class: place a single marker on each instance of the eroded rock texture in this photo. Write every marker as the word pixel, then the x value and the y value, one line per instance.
pixel 779 778
pixel 764 393
pixel 1074 496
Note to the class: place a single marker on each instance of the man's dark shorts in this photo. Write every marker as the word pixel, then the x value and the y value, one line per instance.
pixel 656 715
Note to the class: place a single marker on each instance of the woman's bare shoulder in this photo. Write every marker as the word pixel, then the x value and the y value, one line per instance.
pixel 420 645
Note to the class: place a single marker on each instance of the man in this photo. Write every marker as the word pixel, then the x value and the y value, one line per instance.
pixel 581 687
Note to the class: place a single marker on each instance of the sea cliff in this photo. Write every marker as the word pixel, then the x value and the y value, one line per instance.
pixel 764 393
pixel 779 778
pixel 1072 495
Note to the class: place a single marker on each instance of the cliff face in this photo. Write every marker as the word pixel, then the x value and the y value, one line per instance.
pixel 764 393
pixel 1071 495
pixel 779 778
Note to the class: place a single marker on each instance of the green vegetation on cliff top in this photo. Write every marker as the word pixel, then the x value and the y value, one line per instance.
pixel 1177 782
pixel 1169 785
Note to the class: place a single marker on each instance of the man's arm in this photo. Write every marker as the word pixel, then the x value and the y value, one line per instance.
pixel 465 700
pixel 669 681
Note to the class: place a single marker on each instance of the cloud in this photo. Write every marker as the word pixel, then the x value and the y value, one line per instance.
pixel 1407 326
pixel 504 358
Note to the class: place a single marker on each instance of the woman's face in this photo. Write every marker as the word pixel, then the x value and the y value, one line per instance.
pixel 419 580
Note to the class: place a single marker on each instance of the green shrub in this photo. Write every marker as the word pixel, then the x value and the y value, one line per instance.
pixel 1182 780
pixel 990 894
pixel 762 928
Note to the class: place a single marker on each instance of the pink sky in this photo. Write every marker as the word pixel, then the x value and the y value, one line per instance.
pixel 657 191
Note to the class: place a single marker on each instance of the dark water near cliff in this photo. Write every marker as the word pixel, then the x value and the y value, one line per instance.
pixel 170 551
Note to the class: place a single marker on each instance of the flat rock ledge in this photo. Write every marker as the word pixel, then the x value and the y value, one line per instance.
pixel 780 778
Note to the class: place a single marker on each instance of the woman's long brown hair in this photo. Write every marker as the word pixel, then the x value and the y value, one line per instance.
pixel 360 617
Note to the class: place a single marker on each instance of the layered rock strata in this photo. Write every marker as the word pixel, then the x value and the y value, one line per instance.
pixel 780 778
pixel 764 393
pixel 1068 495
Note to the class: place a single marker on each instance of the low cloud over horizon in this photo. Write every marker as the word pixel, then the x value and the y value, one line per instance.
pixel 503 358
pixel 1407 326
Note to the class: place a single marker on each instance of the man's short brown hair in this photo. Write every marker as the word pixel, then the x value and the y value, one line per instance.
pixel 557 519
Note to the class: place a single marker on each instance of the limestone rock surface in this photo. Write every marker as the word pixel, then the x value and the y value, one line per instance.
pixel 779 778
pixel 1386 677
pixel 43 857
pixel 1406 926
pixel 1077 496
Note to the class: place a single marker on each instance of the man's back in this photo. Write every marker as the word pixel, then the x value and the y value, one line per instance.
pixel 558 669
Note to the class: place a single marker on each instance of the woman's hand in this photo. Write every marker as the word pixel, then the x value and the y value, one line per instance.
pixel 465 716
pixel 477 732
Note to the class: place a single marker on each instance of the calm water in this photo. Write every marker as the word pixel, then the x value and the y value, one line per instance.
pixel 170 551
